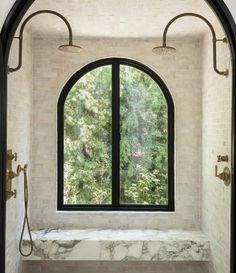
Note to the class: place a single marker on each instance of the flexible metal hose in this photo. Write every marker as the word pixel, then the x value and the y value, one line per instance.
pixel 26 218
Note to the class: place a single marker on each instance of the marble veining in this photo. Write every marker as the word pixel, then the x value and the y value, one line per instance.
pixel 119 245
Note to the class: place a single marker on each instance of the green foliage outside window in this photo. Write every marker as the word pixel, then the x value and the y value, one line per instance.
pixel 88 139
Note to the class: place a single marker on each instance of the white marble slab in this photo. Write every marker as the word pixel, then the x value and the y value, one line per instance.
pixel 119 245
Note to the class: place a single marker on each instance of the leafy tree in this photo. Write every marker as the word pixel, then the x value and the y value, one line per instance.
pixel 88 139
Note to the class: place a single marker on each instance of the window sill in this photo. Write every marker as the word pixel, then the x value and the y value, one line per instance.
pixel 113 212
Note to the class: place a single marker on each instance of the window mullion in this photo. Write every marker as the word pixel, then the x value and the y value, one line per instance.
pixel 115 134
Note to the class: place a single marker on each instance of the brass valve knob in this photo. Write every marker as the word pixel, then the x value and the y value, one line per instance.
pixel 11 156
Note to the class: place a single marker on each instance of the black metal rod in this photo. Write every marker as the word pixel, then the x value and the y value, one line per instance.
pixel 214 39
pixel 115 134
pixel 10 69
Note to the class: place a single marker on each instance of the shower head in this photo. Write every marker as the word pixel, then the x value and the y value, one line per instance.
pixel 70 48
pixel 164 50
pixel 167 50
pixel 65 48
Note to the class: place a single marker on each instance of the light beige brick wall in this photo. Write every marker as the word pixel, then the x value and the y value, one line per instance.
pixel 200 126
pixel 181 73
pixel 216 140
pixel 20 88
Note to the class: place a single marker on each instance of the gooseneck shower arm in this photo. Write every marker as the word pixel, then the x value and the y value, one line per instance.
pixel 20 37
pixel 214 39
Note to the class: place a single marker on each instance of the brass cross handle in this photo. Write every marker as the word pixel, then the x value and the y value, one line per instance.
pixel 225 175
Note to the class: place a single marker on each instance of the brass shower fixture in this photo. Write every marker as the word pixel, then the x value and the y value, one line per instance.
pixel 225 175
pixel 70 47
pixel 10 174
pixel 164 49
pixel 10 193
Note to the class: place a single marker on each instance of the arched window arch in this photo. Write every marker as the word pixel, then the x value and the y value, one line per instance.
pixel 115 139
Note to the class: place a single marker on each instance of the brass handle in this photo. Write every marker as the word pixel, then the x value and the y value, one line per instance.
pixel 225 175
pixel 11 174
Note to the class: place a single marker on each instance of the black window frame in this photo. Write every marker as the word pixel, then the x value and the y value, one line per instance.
pixel 115 206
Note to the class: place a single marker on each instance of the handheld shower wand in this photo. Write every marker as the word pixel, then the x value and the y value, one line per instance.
pixel 26 218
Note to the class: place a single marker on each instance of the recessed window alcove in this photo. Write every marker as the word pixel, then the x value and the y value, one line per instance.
pixel 115 139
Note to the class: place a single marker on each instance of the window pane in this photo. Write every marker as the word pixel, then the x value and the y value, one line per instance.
pixel 144 148
pixel 87 139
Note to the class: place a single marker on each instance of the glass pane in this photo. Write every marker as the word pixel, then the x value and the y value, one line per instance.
pixel 87 139
pixel 144 149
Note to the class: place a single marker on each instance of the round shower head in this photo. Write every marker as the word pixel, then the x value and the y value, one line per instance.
pixel 70 48
pixel 164 50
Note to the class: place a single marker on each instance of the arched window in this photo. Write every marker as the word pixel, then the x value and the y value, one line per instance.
pixel 115 139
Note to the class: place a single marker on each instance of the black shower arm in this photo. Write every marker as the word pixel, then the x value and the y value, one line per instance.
pixel 214 39
pixel 20 37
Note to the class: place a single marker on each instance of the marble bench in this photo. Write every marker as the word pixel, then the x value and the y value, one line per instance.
pixel 118 245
